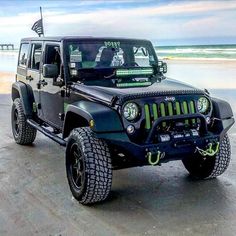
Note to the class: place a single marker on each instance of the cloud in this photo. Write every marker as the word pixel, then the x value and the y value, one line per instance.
pixel 179 19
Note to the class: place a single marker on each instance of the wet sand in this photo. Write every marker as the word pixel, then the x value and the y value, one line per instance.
pixel 35 198
pixel 209 74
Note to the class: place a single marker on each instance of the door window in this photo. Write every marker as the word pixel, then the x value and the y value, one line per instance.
pixel 36 56
pixel 23 54
pixel 52 55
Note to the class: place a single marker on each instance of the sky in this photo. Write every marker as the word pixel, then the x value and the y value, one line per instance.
pixel 164 22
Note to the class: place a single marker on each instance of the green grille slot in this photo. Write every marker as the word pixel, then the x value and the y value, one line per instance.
pixel 185 106
pixel 147 115
pixel 155 113
pixel 162 107
pixel 178 111
pixel 192 110
pixel 163 112
pixel 170 109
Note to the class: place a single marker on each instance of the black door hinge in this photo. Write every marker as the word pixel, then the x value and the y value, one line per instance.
pixel 61 116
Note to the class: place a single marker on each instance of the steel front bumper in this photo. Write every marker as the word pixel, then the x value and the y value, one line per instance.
pixel 174 149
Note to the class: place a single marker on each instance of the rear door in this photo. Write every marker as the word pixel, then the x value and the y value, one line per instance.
pixel 23 61
pixel 51 95
pixel 33 72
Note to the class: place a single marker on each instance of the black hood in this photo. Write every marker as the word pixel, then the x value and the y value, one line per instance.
pixel 109 95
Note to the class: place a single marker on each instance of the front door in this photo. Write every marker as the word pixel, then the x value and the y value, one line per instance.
pixel 51 96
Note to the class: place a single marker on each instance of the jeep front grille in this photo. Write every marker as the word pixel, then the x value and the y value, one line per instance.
pixel 154 111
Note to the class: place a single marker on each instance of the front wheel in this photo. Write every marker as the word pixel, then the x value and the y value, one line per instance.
pixel 88 166
pixel 209 166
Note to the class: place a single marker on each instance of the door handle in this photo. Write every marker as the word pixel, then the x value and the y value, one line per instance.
pixel 29 78
pixel 43 82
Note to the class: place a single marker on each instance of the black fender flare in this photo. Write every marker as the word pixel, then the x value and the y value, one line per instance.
pixel 25 93
pixel 221 109
pixel 105 119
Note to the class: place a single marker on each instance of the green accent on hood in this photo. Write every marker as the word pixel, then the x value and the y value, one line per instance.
pixel 147 115
pixel 134 84
pixel 65 106
pixel 89 64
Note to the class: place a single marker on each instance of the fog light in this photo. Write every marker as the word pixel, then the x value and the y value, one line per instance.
pixel 208 120
pixel 130 129
pixel 73 72
pixel 165 137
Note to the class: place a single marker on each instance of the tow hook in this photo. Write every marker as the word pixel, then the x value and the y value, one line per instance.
pixel 154 158
pixel 210 151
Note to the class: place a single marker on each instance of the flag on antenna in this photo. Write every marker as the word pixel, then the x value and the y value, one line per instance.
pixel 38 25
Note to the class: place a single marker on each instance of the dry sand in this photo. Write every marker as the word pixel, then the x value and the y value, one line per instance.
pixel 6 80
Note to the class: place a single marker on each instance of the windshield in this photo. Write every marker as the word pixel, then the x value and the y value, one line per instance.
pixel 110 54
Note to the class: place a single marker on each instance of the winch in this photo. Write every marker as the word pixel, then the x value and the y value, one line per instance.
pixel 175 135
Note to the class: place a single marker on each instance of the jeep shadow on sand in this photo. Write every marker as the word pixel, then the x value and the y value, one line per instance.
pixel 107 100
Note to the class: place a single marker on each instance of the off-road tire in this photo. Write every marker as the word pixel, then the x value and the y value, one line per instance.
pixel 24 134
pixel 97 168
pixel 210 167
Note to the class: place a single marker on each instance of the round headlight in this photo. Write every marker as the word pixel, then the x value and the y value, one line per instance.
pixel 203 105
pixel 130 111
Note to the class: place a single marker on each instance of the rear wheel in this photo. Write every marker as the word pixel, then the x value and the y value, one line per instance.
pixel 210 167
pixel 23 133
pixel 88 166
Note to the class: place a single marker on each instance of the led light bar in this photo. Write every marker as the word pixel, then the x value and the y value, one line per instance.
pixel 134 84
pixel 127 72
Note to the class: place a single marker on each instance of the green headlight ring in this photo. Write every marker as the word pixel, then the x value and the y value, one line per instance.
pixel 131 111
pixel 203 105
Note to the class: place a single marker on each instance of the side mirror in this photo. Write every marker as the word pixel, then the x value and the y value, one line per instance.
pixel 50 71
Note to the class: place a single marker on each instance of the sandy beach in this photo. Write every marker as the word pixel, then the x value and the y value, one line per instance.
pixel 46 181
pixel 6 79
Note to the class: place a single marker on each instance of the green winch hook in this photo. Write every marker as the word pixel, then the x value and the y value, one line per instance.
pixel 150 161
pixel 209 151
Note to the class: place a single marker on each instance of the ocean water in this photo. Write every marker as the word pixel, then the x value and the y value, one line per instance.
pixel 198 51
pixel 8 60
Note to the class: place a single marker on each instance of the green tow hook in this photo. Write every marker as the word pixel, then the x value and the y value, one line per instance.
pixel 150 159
pixel 210 150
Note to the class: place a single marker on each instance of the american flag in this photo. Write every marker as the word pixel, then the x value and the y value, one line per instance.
pixel 38 27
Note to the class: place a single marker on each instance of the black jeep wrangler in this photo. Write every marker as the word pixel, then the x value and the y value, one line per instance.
pixel 107 100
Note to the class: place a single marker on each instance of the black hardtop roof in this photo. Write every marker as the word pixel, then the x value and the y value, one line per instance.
pixel 62 38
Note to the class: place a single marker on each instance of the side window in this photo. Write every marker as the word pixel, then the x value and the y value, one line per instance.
pixel 23 54
pixel 36 53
